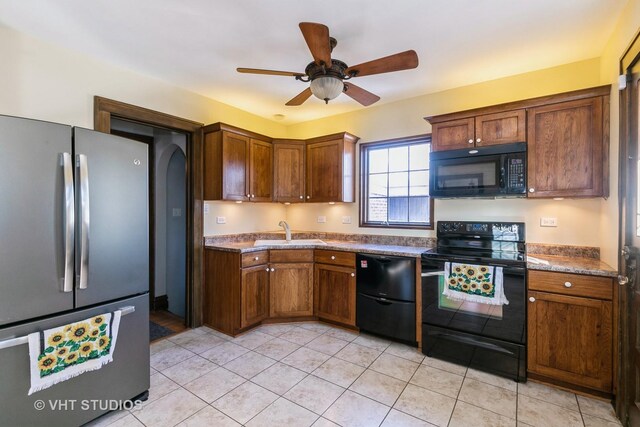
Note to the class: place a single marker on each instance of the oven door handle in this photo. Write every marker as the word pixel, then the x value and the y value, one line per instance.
pixel 433 273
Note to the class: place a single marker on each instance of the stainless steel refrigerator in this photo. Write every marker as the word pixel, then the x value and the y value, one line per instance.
pixel 74 243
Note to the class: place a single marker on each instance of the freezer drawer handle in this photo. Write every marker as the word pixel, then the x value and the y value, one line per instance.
pixel 435 273
pixel 84 220
pixel 23 340
pixel 69 223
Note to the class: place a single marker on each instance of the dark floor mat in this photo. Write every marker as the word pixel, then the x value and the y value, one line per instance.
pixel 158 331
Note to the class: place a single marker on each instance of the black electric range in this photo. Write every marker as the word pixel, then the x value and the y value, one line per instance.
pixel 481 334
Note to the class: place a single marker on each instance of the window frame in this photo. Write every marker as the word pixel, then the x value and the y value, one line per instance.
pixel 364 181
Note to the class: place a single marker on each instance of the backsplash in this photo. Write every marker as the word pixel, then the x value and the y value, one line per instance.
pixel 563 250
pixel 374 239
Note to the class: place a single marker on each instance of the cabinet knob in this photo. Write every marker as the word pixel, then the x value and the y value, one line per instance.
pixel 567 284
pixel 470 141
pixel 256 258
pixel 267 269
pixel 248 195
pixel 532 299
pixel 308 197
pixel 532 190
pixel 302 197
pixel 333 257
pixel 623 280
pixel 479 140
pixel 253 195
pixel 273 269
pixel 353 274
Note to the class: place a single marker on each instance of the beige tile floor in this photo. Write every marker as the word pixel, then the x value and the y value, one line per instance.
pixel 312 374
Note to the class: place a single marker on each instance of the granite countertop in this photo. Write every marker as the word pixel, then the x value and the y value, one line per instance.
pixel 570 264
pixel 337 245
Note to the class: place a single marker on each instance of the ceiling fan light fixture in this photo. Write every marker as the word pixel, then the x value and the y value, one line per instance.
pixel 326 87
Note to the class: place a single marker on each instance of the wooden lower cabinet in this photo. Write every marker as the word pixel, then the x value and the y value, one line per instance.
pixel 335 293
pixel 291 290
pixel 254 295
pixel 570 339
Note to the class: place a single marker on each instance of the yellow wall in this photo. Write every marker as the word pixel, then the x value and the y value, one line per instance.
pixel 626 29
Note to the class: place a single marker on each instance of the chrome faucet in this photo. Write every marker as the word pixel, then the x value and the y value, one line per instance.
pixel 287 230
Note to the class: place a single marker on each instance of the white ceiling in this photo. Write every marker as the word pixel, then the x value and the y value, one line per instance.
pixel 198 44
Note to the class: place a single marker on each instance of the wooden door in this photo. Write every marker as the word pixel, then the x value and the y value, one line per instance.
pixel 254 295
pixel 570 339
pixel 235 167
pixel 324 171
pixel 260 170
pixel 291 290
pixel 501 128
pixel 565 149
pixel 628 390
pixel 288 172
pixel 335 293
pixel 453 134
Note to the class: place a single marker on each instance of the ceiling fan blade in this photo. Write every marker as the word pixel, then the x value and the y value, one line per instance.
pixel 399 61
pixel 270 72
pixel 364 97
pixel 300 98
pixel 317 38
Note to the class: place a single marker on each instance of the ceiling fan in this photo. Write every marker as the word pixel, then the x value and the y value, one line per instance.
pixel 328 76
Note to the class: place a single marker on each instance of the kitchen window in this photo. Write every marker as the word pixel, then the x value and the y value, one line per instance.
pixel 394 187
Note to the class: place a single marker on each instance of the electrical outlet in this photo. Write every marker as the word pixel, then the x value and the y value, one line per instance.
pixel 322 219
pixel 548 222
pixel 221 220
pixel 206 208
pixel 346 220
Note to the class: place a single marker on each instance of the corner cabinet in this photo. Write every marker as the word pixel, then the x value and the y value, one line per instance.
pixel 238 164
pixel 291 278
pixel 570 329
pixel 288 170
pixel 330 168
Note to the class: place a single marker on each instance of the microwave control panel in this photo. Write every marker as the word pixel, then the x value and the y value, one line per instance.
pixel 516 175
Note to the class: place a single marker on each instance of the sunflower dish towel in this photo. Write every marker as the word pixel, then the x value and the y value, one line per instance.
pixel 474 283
pixel 61 353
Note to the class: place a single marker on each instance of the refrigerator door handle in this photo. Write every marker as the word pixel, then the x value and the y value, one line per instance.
pixel 68 222
pixel 84 211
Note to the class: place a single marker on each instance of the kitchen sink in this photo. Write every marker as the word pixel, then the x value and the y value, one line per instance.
pixel 290 242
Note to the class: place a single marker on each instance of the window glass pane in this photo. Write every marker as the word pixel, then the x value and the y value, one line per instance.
pixel 399 159
pixel 419 183
pixel 378 185
pixel 377 211
pixel 419 209
pixel 398 209
pixel 419 156
pixel 378 160
pixel 399 184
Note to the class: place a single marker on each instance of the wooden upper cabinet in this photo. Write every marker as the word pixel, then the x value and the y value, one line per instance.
pixel 330 168
pixel 500 128
pixel 566 149
pixel 453 134
pixel 237 164
pixel 288 171
pixel 570 339
pixel 260 170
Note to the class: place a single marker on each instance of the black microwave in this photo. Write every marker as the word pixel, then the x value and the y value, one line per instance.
pixel 492 171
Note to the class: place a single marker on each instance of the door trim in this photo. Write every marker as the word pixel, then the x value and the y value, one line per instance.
pixel 104 109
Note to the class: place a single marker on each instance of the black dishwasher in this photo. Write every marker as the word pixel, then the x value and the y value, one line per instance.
pixel 386 296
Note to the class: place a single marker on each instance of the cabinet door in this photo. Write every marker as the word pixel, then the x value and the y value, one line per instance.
pixel 324 171
pixel 565 149
pixel 254 295
pixel 452 135
pixel 288 174
pixel 570 339
pixel 501 128
pixel 291 290
pixel 260 170
pixel 235 170
pixel 335 293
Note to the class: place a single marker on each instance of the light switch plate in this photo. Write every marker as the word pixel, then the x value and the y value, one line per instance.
pixel 322 219
pixel 346 220
pixel 546 221
pixel 221 220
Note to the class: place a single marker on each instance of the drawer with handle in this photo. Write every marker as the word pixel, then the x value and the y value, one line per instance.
pixel 255 258
pixel 571 284
pixel 347 259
